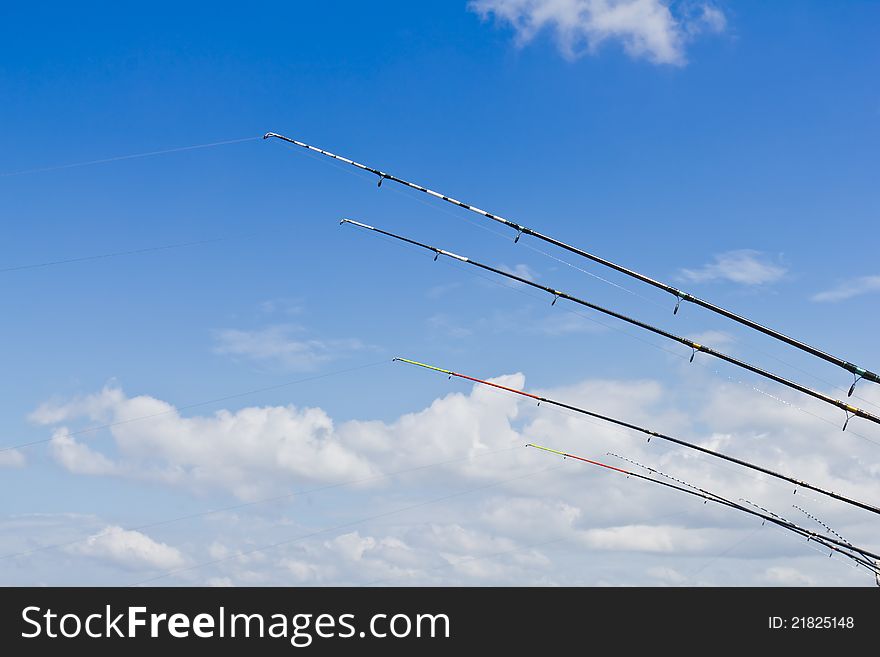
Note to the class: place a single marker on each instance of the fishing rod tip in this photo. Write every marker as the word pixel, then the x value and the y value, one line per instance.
pixel 356 223
pixel 269 134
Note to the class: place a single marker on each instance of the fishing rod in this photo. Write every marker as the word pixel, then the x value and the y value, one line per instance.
pixel 858 373
pixel 649 432
pixel 873 566
pixel 861 556
pixel 851 411
pixel 842 540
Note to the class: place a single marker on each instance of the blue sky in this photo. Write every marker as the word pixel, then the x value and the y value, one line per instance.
pixel 728 147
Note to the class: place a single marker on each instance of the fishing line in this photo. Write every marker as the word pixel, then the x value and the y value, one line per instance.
pixel 833 386
pixel 789 404
pixel 126 157
pixel 115 254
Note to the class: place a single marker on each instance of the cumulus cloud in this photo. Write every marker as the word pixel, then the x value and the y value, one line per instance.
pixel 604 527
pixel 77 457
pixel 743 266
pixel 96 407
pixel 282 346
pixel 645 28
pixel 239 451
pixel 855 287
pixel 256 449
pixel 129 549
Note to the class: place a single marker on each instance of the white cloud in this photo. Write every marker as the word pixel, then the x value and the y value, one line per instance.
pixel 351 546
pixel 782 576
pixel 283 346
pixel 645 28
pixel 302 571
pixel 647 538
pixel 743 266
pixel 848 289
pixel 522 270
pixel 666 574
pixel 97 407
pixel 713 338
pixel 130 549
pixel 241 451
pixel 603 527
pixel 219 582
pixel 531 516
pixel 710 19
pixel 257 449
pixel 11 458
pixel 77 457
pixel 454 540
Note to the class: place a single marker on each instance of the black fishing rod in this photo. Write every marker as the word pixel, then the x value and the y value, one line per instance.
pixel 841 542
pixel 857 372
pixel 650 433
pixel 859 555
pixel 851 411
